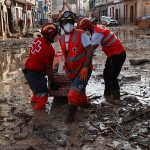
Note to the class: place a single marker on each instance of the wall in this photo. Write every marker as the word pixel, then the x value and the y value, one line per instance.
pixel 116 11
pixel 4 28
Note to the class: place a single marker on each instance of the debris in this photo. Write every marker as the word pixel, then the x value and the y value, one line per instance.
pixel 20 136
pixel 115 133
pixel 2 128
pixel 94 97
pixel 132 78
pixel 95 126
pixel 138 61
pixel 139 113
pixel 62 142
pixel 11 119
pixel 3 99
pixel 131 99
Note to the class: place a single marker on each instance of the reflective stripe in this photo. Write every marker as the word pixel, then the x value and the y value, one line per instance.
pixel 72 59
pixel 108 36
pixel 111 42
pixel 41 94
pixel 74 39
pixel 63 39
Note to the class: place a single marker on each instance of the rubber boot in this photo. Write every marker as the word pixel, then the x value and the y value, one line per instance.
pixel 107 92
pixel 84 103
pixel 116 94
pixel 71 113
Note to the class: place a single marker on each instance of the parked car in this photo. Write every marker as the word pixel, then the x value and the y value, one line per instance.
pixel 108 21
pixel 146 17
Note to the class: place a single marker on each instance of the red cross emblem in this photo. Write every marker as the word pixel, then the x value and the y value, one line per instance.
pixel 74 49
pixel 36 44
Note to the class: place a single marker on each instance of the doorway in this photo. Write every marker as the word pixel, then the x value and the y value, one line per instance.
pixel 131 14
pixel 116 14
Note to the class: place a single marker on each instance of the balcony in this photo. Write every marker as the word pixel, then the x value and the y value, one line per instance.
pixel 118 1
pixel 29 2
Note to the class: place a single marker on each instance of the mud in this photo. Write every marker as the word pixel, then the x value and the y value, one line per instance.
pixel 100 128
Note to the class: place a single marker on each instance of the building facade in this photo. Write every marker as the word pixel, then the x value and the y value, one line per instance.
pixel 135 8
pixel 125 11
pixel 86 8
pixel 116 10
pixel 11 11
pixel 5 14
pixel 23 9
pixel 92 8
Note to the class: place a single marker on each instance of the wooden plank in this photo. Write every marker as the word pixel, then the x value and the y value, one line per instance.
pixel 139 113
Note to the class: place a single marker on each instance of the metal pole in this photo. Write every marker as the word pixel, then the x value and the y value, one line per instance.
pixel 26 15
pixel 79 8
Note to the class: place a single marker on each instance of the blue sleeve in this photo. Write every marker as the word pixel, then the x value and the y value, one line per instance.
pixel 96 38
pixel 85 40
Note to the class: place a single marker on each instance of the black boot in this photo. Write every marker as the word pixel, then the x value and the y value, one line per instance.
pixel 85 105
pixel 71 113
pixel 116 94
pixel 107 92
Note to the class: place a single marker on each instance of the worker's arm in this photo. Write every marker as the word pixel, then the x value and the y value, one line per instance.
pixel 51 83
pixel 86 42
pixel 96 40
pixel 50 72
pixel 49 68
pixel 89 55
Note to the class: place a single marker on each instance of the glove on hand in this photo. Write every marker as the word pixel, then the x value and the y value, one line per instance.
pixel 54 86
pixel 83 73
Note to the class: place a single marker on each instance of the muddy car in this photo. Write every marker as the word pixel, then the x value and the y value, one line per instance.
pixel 108 21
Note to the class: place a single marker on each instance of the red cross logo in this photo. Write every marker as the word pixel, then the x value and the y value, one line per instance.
pixel 74 49
pixel 36 44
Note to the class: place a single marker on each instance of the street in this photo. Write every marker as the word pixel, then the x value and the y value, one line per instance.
pixel 125 126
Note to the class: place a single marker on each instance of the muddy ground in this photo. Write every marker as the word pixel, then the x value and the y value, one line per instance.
pixel 125 126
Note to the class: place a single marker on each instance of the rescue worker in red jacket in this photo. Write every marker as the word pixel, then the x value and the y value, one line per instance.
pixel 77 51
pixel 39 64
pixel 114 51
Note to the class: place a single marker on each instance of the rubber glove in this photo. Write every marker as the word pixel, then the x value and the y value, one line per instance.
pixel 83 73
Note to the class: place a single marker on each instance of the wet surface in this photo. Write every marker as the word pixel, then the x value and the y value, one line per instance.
pixel 98 128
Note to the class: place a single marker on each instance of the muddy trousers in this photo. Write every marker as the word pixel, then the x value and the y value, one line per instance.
pixel 38 84
pixel 77 96
pixel 112 69
pixel 77 93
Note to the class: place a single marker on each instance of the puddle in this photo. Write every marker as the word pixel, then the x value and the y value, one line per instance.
pixel 133 39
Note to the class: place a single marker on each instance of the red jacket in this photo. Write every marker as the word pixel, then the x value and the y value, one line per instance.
pixel 75 55
pixel 41 54
pixel 111 45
